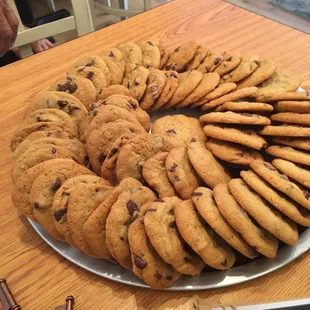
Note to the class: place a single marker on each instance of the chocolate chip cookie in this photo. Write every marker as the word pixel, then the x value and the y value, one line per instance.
pixel 154 173
pixel 134 154
pixel 269 218
pixel 280 181
pixel 161 229
pixel 229 63
pixel 245 106
pixel 146 263
pixel 178 129
pixel 114 90
pixel 233 153
pixel 136 80
pixel 94 230
pixel 208 210
pixel 155 85
pixel 181 173
pixel 83 201
pixel 132 55
pixel 247 137
pixel 150 55
pixel 79 87
pixel 61 200
pixel 288 207
pixel 122 213
pixel 258 238
pixel 201 238
pixel 181 56
pixel 299 143
pixel 285 131
pixel 292 106
pixel 210 63
pixel 229 117
pixel 208 168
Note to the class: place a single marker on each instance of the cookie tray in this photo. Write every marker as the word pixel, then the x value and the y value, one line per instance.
pixel 207 280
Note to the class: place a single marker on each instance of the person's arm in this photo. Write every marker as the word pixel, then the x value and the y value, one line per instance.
pixel 8 27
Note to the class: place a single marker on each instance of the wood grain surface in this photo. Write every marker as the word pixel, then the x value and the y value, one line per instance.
pixel 38 276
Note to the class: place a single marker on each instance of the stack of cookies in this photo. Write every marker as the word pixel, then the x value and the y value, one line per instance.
pixel 160 199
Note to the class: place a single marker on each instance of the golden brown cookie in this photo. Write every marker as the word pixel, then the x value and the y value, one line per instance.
pixel 245 106
pixel 247 137
pixel 200 55
pixel 265 70
pixel 299 143
pixel 201 238
pixel 161 229
pixel 285 131
pixel 235 95
pixel 132 55
pixel 292 106
pixel 123 212
pixel 79 87
pixel 178 129
pixel 229 117
pixel 155 174
pixel 181 173
pixel 209 169
pixel 208 210
pixel 181 56
pixel 280 81
pixel 210 63
pixel 114 90
pixel 94 229
pixel 265 215
pixel 188 81
pixel 146 263
pixel 208 83
pixel 289 208
pixel 150 55
pixel 229 63
pixel 219 91
pixel 283 96
pixel 233 153
pixel 258 238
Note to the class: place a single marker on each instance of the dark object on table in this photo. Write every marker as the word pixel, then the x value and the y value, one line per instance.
pixel 7 301
pixel 69 304
pixel 297 7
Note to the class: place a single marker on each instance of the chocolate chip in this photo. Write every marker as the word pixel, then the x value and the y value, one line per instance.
pixel 58 215
pixel 224 263
pixel 122 238
pixel 174 75
pixel 132 207
pixel 137 83
pixel 240 154
pixel 177 179
pixel 153 88
pixel 171 131
pixel 217 60
pixel 43 127
pixel 95 112
pixel 256 61
pixel 149 43
pixel 48 134
pixel 193 140
pixel 39 119
pixel 159 200
pixel 151 210
pixel 69 87
pixel 157 275
pixel 172 225
pixel 177 49
pixel 53 150
pixel 36 205
pixel 139 262
pixel 306 194
pixel 56 185
pixel 197 194
pixel 90 64
pixel 283 176
pixel 111 54
pixel 173 167
pixel 102 157
pixel 113 152
pixel 229 59
pixel 62 103
pixel 247 114
pixel 90 75
pixel 168 67
pixel 72 108
pixel 65 194
pixel 133 105
pixel 207 69
pixel 171 212
pixel 270 167
pixel 168 278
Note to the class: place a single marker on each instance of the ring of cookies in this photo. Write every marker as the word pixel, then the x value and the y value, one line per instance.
pixel 189 193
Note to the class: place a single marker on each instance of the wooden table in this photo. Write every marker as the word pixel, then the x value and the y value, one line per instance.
pixel 38 276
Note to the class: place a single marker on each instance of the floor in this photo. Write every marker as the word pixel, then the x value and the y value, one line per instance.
pixel 265 8
pixel 40 8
